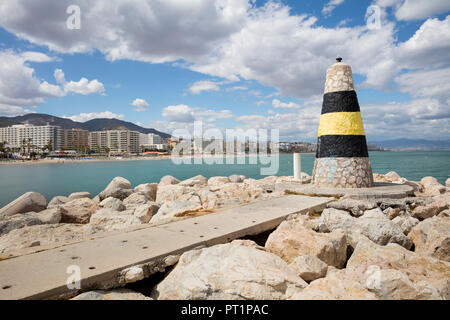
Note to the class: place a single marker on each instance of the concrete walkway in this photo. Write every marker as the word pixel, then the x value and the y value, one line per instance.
pixel 43 275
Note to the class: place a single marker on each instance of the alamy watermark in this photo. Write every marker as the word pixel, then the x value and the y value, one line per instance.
pixel 74 279
pixel 73 22
pixel 373 17
pixel 236 146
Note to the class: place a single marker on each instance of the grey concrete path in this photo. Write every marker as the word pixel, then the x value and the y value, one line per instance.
pixel 43 275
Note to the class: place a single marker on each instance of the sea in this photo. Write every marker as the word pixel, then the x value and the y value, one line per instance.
pixel 64 178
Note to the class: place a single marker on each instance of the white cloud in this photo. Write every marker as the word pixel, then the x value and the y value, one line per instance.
pixel 33 56
pixel 330 6
pixel 426 83
pixel 83 117
pixel 199 86
pixel 18 84
pixel 140 104
pixel 211 115
pixel 237 88
pixel 260 103
pixel 12 111
pixel 278 104
pixel 420 9
pixel 83 86
pixel 178 113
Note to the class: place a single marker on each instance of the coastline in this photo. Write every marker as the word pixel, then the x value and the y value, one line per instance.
pixel 63 161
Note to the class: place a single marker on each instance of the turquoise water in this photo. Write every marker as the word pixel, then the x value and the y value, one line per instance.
pixel 63 179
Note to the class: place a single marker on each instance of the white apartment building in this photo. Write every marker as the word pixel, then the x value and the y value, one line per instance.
pixel 115 140
pixel 149 139
pixel 17 136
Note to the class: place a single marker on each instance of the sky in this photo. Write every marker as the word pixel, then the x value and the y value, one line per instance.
pixel 248 64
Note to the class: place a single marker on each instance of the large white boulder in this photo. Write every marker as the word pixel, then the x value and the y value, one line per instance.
pixel 78 211
pixel 79 195
pixel 119 188
pixel 109 220
pixel 293 238
pixel 167 180
pixel 229 271
pixel 432 237
pixel 174 210
pixel 28 202
pixel 148 190
pixel 116 294
pixel 309 268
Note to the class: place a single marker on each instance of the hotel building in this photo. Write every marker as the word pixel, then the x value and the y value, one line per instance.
pixel 115 140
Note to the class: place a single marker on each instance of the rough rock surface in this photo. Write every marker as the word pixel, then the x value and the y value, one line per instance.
pixel 166 180
pixel 79 195
pixel 78 211
pixel 405 223
pixel 148 190
pixel 294 238
pixel 116 294
pixel 309 268
pixel 337 285
pixel 146 211
pixel 119 188
pixel 57 201
pixel 113 203
pixel 174 210
pixel 110 220
pixel 229 271
pixel 432 237
pixel 194 181
pixel 427 211
pixel 40 235
pixel 135 200
pixel 356 207
pixel 28 202
pixel 425 272
pixel 236 178
pixel 374 226
pixel 169 192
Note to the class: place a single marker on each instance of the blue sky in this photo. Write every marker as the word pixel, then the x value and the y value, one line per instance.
pixel 231 63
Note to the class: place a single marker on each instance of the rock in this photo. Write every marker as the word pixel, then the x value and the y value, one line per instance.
pixel 50 216
pixel 18 221
pixel 208 199
pixel 309 268
pixel 148 190
pixel 428 211
pixel 356 207
pixel 432 237
pixel 113 203
pixel 119 188
pixel 229 271
pixel 169 193
pixel 168 180
pixel 79 195
pixel 431 187
pixel 337 285
pixel 194 181
pixel 109 220
pixel 405 223
pixel 28 202
pixel 173 210
pixel 145 212
pixel 236 178
pixel 445 213
pixel 57 201
pixel 132 274
pixel 214 181
pixel 376 227
pixel 391 284
pixel 78 211
pixel 374 214
pixel 135 200
pixel 391 213
pixel 423 271
pixel 447 183
pixel 293 238
pixel 45 234
pixel 116 294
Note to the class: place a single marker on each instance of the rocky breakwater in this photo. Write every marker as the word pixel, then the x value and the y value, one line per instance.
pixel 355 249
pixel 29 221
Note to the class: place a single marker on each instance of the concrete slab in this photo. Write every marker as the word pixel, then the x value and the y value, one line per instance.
pixel 44 275
pixel 379 190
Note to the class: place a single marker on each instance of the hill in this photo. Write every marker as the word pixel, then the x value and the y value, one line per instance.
pixel 40 119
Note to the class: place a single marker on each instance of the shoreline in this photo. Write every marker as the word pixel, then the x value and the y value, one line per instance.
pixel 168 157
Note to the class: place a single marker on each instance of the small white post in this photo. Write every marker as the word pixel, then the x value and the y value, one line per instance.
pixel 297 166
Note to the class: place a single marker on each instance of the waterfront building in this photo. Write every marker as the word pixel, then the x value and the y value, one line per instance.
pixel 75 139
pixel 148 139
pixel 38 137
pixel 115 141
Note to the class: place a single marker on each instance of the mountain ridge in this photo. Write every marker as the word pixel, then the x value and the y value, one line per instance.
pixel 99 124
